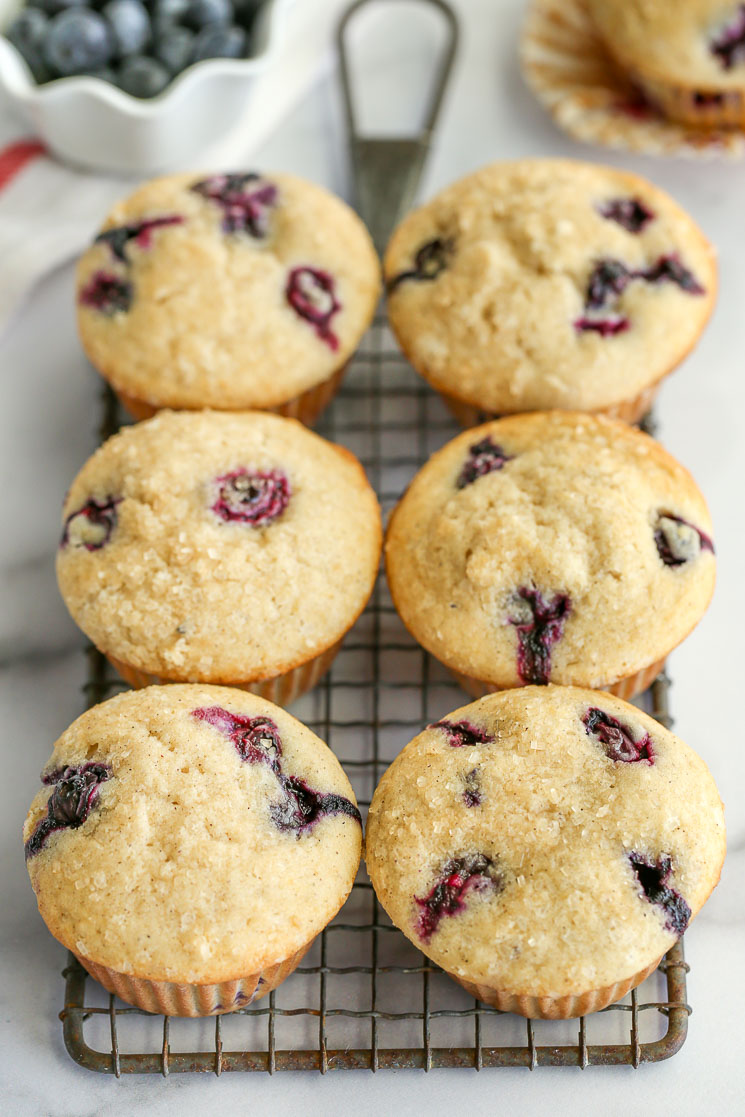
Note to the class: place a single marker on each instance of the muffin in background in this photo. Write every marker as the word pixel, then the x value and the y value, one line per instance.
pixel 551 547
pixel 548 283
pixel 545 847
pixel 688 58
pixel 188 845
pixel 227 291
pixel 223 548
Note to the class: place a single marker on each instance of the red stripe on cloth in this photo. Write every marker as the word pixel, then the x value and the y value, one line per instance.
pixel 14 158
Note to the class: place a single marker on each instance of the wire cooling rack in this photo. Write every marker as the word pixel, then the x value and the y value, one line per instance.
pixel 366 998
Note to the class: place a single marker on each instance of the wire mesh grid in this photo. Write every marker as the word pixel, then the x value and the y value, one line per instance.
pixel 366 998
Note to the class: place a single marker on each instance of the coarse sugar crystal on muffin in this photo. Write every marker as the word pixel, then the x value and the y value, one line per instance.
pixel 188 845
pixel 552 546
pixel 228 291
pixel 688 58
pixel 548 283
pixel 225 548
pixel 545 847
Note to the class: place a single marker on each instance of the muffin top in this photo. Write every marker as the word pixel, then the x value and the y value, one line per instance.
pixel 216 547
pixel 554 545
pixel 548 283
pixel 190 833
pixel 545 840
pixel 227 291
pixel 697 43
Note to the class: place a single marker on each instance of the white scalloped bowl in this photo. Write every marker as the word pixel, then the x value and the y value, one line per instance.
pixel 92 124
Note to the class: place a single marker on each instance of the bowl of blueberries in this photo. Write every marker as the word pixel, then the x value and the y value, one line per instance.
pixel 134 86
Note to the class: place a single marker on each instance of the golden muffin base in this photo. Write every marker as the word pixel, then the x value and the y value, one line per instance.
pixel 175 999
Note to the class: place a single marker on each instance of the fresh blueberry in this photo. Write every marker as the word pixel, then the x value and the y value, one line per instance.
pixel 53 7
pixel 208 13
pixel 130 25
pixel 143 77
pixel 103 73
pixel 78 40
pixel 246 12
pixel 174 48
pixel 219 42
pixel 27 33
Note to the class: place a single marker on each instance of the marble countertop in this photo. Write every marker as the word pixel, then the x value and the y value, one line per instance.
pixel 47 429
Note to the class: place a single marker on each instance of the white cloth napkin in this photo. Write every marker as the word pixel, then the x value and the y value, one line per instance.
pixel 49 211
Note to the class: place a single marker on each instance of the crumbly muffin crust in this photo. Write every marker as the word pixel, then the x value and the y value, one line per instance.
pixel 584 868
pixel 551 546
pixel 215 547
pixel 228 292
pixel 548 283
pixel 694 43
pixel 181 869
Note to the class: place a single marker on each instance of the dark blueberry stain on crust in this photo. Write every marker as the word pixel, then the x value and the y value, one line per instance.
pixel 252 497
pixel 630 213
pixel 431 259
pixel 610 278
pixel 460 733
pixel 97 518
pixel 107 293
pixel 311 293
pixel 462 875
pixel 246 201
pixel 729 44
pixel 472 796
pixel 617 739
pixel 74 794
pixel 483 457
pixel 679 541
pixel 141 232
pixel 539 623
pixel 257 741
pixel 653 877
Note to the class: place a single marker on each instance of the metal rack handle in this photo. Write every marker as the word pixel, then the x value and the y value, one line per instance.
pixel 387 171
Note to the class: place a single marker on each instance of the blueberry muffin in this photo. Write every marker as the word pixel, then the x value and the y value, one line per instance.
pixel 188 845
pixel 688 57
pixel 545 846
pixel 227 291
pixel 554 546
pixel 547 283
pixel 223 548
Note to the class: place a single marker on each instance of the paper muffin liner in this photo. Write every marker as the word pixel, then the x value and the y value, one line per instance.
pixel 693 107
pixel 631 410
pixel 556 1008
pixel 306 407
pixel 176 999
pixel 627 687
pixel 572 74
pixel 281 689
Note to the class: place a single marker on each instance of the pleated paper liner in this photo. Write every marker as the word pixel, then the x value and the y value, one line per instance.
pixel 282 689
pixel 627 687
pixel 571 73
pixel 306 407
pixel 176 999
pixel 557 1008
